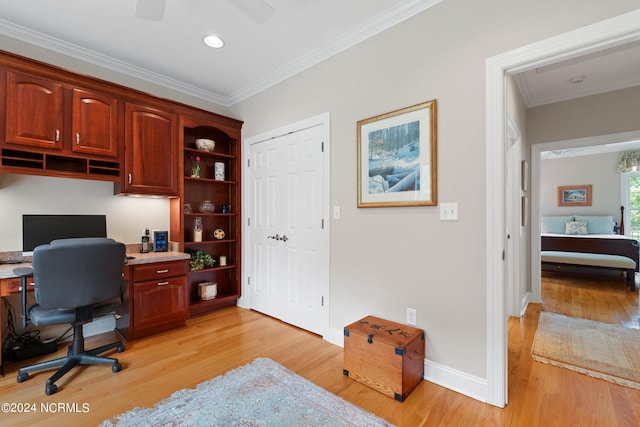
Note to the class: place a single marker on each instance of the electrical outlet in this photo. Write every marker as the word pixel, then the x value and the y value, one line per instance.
pixel 411 316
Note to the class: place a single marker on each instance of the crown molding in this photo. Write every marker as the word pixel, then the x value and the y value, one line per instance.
pixel 53 44
pixel 359 34
pixel 372 27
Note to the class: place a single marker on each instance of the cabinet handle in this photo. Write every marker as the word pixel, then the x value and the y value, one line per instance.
pixel 77 139
pixel 162 271
pixel 57 135
pixel 129 178
pixel 162 283
pixel 29 285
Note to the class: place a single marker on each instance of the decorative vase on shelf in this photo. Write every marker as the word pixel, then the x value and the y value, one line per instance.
pixel 197 229
pixel 187 208
pixel 207 207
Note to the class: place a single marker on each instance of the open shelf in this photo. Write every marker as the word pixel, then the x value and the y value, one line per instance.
pixel 226 191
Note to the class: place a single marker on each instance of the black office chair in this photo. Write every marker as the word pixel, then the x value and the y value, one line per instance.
pixel 76 280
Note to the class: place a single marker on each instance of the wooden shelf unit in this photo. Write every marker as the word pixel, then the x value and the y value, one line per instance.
pixel 226 134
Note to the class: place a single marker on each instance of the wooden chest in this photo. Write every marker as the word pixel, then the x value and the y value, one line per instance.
pixel 386 356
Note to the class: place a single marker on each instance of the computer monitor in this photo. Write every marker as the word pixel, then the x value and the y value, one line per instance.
pixel 41 229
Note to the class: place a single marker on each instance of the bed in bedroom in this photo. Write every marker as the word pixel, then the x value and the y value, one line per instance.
pixel 589 241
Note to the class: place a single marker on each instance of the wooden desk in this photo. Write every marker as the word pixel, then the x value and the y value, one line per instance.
pixel 9 284
pixel 170 293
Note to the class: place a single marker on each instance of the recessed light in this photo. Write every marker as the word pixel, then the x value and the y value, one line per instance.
pixel 213 41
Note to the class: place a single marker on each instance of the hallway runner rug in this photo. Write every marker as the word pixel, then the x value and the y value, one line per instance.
pixel 262 393
pixel 600 350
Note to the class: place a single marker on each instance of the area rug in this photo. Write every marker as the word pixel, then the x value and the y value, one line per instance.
pixel 597 349
pixel 262 393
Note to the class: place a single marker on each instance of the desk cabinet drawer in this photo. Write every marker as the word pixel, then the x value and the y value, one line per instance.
pixel 143 273
pixel 160 301
pixel 14 285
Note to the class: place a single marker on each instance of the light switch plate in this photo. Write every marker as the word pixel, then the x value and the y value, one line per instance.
pixel 336 212
pixel 449 211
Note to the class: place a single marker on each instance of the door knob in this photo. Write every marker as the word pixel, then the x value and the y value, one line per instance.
pixel 284 237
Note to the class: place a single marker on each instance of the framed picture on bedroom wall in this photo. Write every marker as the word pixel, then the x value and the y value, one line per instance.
pixel 574 195
pixel 397 158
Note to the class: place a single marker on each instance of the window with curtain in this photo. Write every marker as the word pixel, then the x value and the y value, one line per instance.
pixel 629 161
pixel 631 202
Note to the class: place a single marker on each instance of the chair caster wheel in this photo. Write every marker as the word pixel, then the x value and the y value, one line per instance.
pixel 116 367
pixel 120 348
pixel 22 377
pixel 50 389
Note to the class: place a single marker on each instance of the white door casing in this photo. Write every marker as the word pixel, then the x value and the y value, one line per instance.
pixel 609 33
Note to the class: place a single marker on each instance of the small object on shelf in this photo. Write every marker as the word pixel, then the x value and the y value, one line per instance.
pixel 200 260
pixel 204 144
pixel 226 208
pixel 223 260
pixel 207 207
pixel 207 290
pixel 160 241
pixel 197 229
pixel 145 242
pixel 195 166
pixel 218 171
pixel 219 233
pixel 187 208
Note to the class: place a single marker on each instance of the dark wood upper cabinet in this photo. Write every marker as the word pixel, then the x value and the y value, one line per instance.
pixel 34 111
pixel 151 151
pixel 94 124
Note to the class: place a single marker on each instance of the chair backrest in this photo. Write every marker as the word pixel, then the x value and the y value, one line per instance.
pixel 71 273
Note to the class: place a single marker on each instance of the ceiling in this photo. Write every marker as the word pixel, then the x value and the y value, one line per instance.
pixel 594 73
pixel 598 72
pixel 170 51
pixel 257 55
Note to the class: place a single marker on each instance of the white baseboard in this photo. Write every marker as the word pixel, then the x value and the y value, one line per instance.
pixel 335 336
pixel 458 381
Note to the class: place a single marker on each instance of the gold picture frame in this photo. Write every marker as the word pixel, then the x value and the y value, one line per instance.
pixel 574 195
pixel 397 158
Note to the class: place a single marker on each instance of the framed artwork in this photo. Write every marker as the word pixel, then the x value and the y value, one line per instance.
pixel 524 175
pixel 574 195
pixel 397 161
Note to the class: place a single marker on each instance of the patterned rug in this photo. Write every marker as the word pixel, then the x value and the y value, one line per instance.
pixel 597 349
pixel 262 393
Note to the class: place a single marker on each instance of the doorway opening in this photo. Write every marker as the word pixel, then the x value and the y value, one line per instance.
pixel 609 33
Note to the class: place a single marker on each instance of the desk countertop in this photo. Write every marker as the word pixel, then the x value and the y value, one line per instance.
pixel 6 270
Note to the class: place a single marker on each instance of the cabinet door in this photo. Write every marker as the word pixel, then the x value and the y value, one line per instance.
pixel 94 123
pixel 34 111
pixel 151 151
pixel 159 301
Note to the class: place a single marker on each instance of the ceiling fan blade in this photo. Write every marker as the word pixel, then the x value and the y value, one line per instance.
pixel 151 10
pixel 259 11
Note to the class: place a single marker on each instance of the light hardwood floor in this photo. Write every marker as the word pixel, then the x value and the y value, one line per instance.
pixel 154 367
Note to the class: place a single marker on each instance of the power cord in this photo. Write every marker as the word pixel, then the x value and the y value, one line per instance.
pixel 28 338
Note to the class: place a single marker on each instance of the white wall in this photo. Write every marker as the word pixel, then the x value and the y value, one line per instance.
pixel 386 259
pixel 612 112
pixel 597 170
pixel 127 217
